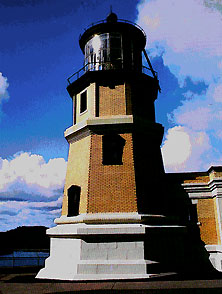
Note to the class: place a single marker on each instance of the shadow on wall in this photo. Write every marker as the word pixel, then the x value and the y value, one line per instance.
pixel 182 243
pixel 178 250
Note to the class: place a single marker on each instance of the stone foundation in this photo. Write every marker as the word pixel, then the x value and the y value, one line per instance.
pixel 215 252
pixel 81 251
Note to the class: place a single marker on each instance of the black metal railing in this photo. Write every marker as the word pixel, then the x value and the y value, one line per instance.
pixel 98 66
pixel 146 70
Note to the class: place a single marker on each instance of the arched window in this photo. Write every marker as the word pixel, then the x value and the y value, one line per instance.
pixel 73 200
pixel 113 149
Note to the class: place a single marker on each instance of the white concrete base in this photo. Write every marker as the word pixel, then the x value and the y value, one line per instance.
pixel 215 252
pixel 80 251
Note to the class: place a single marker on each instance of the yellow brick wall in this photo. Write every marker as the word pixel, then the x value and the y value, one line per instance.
pixel 112 101
pixel 111 187
pixel 207 217
pixel 77 172
pixel 197 179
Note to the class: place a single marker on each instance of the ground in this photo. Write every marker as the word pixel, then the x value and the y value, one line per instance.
pixel 22 281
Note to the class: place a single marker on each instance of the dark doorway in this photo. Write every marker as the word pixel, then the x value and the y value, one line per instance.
pixel 73 200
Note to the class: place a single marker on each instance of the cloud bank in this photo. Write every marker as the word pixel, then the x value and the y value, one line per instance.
pixel 3 88
pixel 187 35
pixel 3 91
pixel 30 190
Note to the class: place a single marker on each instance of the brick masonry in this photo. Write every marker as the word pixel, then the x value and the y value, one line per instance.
pixel 112 100
pixel 77 172
pixel 207 218
pixel 112 188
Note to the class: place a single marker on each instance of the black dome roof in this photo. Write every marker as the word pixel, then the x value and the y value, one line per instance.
pixel 112 17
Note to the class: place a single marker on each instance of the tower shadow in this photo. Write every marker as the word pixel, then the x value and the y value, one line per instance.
pixel 179 247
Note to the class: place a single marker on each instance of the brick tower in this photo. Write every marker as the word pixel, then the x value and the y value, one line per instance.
pixel 114 141
pixel 112 194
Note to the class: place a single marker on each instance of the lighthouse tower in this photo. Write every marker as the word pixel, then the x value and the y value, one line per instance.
pixel 114 155
pixel 113 206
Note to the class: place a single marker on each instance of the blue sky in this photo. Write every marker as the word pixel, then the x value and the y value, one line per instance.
pixel 39 51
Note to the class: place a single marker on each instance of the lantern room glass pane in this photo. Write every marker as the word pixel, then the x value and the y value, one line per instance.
pixel 104 51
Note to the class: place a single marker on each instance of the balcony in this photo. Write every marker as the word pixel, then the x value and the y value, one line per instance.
pixel 106 66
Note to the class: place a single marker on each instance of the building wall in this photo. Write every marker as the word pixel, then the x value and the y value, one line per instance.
pixel 90 112
pixel 111 187
pixel 77 172
pixel 207 217
pixel 112 100
pixel 204 190
pixel 197 179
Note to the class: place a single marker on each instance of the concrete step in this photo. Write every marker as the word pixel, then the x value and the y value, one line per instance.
pixel 118 267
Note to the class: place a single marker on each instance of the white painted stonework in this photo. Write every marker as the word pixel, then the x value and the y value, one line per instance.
pixel 215 252
pixel 80 251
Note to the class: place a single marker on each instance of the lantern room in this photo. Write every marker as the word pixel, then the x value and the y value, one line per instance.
pixel 113 44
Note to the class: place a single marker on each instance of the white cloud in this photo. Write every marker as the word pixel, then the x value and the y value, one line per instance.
pixel 3 88
pixel 30 190
pixel 201 119
pixel 186 150
pixel 195 118
pixel 177 147
pixel 217 95
pixel 200 112
pixel 184 27
pixel 30 174
pixel 27 217
pixel 187 34
pixel 4 96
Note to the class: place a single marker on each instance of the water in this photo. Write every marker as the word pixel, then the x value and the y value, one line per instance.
pixel 23 258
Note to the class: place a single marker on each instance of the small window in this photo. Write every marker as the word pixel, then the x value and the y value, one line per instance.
pixel 73 200
pixel 83 102
pixel 74 110
pixel 113 149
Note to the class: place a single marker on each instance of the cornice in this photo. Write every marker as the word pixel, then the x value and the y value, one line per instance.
pixel 122 124
pixel 204 190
